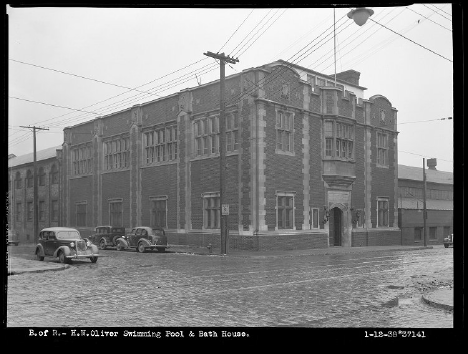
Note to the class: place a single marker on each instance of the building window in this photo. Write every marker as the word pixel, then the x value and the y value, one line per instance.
pixel 339 140
pixel 18 211
pixel 358 218
pixel 232 132
pixel 29 179
pixel 285 210
pixel 55 210
pixel 382 212
pixel 18 182
pixel 41 210
pixel 115 213
pixel 54 175
pixel 160 144
pixel 30 211
pixel 82 160
pixel 433 233
pixel 159 212
pixel 314 218
pixel 81 214
pixel 321 82
pixel 285 91
pixel 116 153
pixel 284 131
pixel 418 234
pixel 41 176
pixel 311 80
pixel 382 149
pixel 211 211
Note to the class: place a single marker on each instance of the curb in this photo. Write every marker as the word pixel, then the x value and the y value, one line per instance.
pixel 427 300
pixel 22 271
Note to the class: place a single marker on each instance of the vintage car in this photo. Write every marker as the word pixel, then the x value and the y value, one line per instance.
pixel 106 236
pixel 448 241
pixel 142 238
pixel 66 244
pixel 12 238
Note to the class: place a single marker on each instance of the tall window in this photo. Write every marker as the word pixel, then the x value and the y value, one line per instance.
pixel 382 207
pixel 30 211
pixel 382 149
pixel 41 176
pixel 321 82
pixel 29 179
pixel 232 132
pixel 18 183
pixel 339 140
pixel 314 218
pixel 54 175
pixel 211 211
pixel 55 210
pixel 284 131
pixel 160 144
pixel 159 212
pixel 19 208
pixel 285 208
pixel 116 153
pixel 41 210
pixel 418 231
pixel 82 159
pixel 81 214
pixel 433 233
pixel 115 213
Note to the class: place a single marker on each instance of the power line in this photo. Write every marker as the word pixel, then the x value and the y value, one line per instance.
pixel 438 24
pixel 412 153
pixel 236 30
pixel 422 121
pixel 437 12
pixel 441 10
pixel 82 77
pixel 49 104
pixel 412 41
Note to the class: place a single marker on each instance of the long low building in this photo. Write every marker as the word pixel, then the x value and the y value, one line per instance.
pixel 309 164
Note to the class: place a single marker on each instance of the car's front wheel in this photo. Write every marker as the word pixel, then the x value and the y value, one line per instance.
pixel 141 247
pixel 38 256
pixel 93 259
pixel 119 246
pixel 102 244
pixel 62 258
pixel 446 246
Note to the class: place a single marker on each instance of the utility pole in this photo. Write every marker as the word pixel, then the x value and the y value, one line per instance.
pixel 35 202
pixel 222 149
pixel 424 201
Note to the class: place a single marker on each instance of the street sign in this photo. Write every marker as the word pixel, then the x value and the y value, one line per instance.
pixel 225 209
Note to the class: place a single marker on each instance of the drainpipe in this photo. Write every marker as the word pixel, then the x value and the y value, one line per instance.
pixel 257 178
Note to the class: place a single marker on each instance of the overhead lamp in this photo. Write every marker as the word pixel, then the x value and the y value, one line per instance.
pixel 360 15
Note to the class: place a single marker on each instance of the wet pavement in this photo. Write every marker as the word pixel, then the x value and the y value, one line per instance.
pixel 335 287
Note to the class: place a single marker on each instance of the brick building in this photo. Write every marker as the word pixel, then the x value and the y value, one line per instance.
pixel 309 164
pixel 439 204
pixel 21 192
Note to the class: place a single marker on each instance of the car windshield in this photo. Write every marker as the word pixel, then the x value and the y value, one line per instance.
pixel 68 235
pixel 158 232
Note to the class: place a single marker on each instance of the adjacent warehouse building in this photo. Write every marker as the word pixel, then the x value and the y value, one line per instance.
pixel 21 192
pixel 309 164
pixel 439 204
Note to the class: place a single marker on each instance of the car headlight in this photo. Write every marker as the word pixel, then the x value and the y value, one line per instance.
pixel 88 243
pixel 72 244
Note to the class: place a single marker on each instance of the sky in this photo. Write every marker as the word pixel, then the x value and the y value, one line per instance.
pixel 71 65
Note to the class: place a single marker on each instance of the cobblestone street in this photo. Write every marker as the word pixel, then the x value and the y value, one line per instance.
pixel 378 289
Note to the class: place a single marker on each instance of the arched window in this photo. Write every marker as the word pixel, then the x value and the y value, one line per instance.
pixel 41 176
pixel 54 176
pixel 18 183
pixel 29 179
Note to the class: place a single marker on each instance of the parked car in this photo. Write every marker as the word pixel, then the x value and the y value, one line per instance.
pixel 66 244
pixel 12 238
pixel 448 241
pixel 106 236
pixel 142 238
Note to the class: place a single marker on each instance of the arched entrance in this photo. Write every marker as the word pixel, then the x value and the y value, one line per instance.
pixel 336 226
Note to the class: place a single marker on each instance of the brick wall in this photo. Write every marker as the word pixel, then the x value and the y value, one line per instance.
pixel 116 185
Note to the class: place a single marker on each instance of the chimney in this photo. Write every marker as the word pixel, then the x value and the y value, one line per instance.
pixel 351 76
pixel 11 156
pixel 431 164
